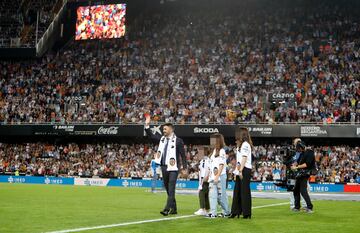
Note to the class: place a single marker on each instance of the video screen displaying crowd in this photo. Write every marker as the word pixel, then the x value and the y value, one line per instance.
pixel 200 65
pixel 335 163
pixel 100 21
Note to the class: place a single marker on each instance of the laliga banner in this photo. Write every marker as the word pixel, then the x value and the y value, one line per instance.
pixel 182 184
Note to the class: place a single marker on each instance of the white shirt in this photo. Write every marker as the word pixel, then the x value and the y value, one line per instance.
pixel 221 158
pixel 245 151
pixel 204 167
pixel 215 163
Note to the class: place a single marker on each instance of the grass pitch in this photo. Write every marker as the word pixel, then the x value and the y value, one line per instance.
pixel 45 208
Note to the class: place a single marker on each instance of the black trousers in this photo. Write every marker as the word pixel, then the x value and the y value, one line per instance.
pixel 204 196
pixel 169 179
pixel 301 188
pixel 236 201
pixel 242 194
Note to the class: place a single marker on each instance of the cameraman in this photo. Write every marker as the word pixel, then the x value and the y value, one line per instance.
pixel 306 163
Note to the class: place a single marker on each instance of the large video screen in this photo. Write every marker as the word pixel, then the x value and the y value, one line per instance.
pixel 100 21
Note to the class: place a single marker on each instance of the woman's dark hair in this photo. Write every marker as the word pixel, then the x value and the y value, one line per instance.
pixel 220 141
pixel 242 134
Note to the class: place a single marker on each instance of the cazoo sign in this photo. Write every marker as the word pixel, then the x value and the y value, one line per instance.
pixel 279 97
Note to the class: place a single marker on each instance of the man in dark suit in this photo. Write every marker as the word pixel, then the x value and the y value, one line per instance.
pixel 169 177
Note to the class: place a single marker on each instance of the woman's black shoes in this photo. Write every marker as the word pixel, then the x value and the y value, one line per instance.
pixel 167 212
pixel 234 215
pixel 247 217
pixel 164 212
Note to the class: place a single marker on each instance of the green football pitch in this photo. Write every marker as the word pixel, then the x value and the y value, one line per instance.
pixel 47 208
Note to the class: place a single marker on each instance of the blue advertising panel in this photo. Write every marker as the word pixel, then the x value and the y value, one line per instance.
pixel 147 183
pixel 37 180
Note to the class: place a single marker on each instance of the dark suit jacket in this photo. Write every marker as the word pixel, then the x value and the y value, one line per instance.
pixel 180 150
pixel 307 157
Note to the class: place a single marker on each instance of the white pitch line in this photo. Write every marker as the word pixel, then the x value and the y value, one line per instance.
pixel 277 204
pixel 146 221
pixel 121 224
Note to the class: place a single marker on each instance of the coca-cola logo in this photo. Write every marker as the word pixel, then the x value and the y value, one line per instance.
pixel 112 130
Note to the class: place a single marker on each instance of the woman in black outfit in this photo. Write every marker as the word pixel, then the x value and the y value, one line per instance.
pixel 242 195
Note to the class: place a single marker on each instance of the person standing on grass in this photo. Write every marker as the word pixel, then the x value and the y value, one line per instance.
pixel 171 157
pixel 304 167
pixel 204 171
pixel 242 193
pixel 217 180
pixel 292 198
pixel 236 201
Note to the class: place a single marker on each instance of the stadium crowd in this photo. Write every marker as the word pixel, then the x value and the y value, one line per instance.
pixel 10 21
pixel 18 21
pixel 215 66
pixel 335 164
pixel 47 10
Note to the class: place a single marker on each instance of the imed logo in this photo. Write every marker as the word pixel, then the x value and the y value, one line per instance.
pixel 180 185
pixel 16 179
pixel 260 187
pixel 87 182
pixel 47 180
pixel 125 183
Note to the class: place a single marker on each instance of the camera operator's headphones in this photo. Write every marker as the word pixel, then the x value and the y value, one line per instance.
pixel 300 145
